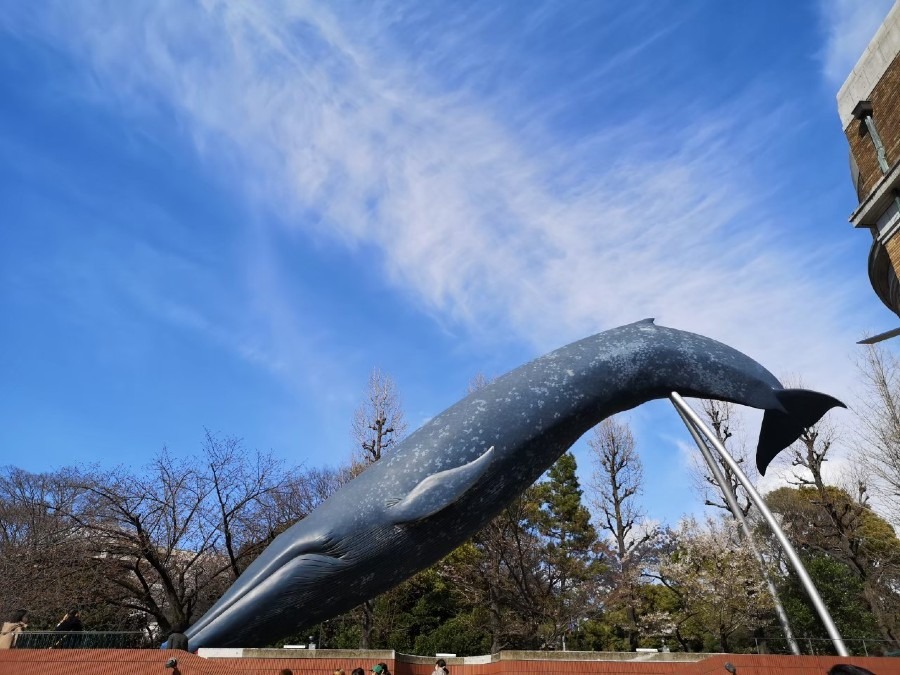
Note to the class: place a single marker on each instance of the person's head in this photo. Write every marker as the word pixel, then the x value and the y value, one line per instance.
pixel 339 671
pixel 440 663
pixel 847 669
pixel 358 671
pixel 19 616
pixel 379 669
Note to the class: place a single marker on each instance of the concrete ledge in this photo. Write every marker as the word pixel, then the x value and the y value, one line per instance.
pixel 451 660
pixel 641 657
pixel 871 66
pixel 373 655
pixel 378 655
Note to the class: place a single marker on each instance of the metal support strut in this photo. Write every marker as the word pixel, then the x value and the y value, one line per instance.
pixel 687 412
pixel 735 509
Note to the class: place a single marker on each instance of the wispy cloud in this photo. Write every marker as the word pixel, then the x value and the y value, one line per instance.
pixel 849 26
pixel 493 224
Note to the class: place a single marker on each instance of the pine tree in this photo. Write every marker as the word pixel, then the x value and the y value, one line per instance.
pixel 569 549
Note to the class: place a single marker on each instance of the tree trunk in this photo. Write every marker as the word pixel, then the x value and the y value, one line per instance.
pixel 368 626
pixel 496 622
pixel 872 598
pixel 633 641
pixel 681 640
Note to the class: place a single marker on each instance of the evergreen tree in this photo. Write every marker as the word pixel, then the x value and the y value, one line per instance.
pixel 570 546
pixel 842 592
pixel 826 520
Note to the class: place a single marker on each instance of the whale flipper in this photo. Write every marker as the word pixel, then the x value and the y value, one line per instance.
pixel 802 409
pixel 439 490
pixel 403 514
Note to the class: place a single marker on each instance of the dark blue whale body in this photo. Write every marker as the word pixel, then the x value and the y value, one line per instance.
pixel 455 473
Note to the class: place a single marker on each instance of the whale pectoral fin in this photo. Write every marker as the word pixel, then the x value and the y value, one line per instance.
pixel 439 490
pixel 803 408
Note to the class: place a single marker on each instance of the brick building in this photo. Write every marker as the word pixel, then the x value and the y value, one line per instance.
pixel 869 107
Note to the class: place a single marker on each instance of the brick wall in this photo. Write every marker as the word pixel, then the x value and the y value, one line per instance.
pixel 885 99
pixel 306 666
pixel 892 246
pixel 752 664
pixel 152 662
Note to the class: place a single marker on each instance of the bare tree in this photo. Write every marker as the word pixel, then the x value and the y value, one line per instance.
pixel 247 489
pixel 479 381
pixel 809 454
pixel 158 544
pixel 615 489
pixel 724 420
pixel 302 491
pixel 297 494
pixel 378 425
pixel 44 565
pixel 378 422
pixel 878 447
pixel 148 538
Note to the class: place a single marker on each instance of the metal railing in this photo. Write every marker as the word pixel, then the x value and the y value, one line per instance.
pixel 37 639
pixel 825 647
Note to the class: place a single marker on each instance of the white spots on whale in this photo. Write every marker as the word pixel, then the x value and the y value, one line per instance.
pixel 541 396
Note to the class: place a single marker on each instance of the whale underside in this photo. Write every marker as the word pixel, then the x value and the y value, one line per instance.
pixel 451 476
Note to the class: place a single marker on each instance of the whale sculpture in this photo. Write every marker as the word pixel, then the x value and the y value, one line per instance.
pixel 451 476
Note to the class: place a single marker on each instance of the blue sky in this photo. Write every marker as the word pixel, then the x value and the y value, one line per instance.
pixel 224 215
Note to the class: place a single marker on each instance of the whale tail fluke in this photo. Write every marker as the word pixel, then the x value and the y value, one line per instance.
pixel 802 409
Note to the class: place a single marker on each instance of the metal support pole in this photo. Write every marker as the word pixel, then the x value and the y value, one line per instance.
pixel 876 141
pixel 789 551
pixel 725 485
